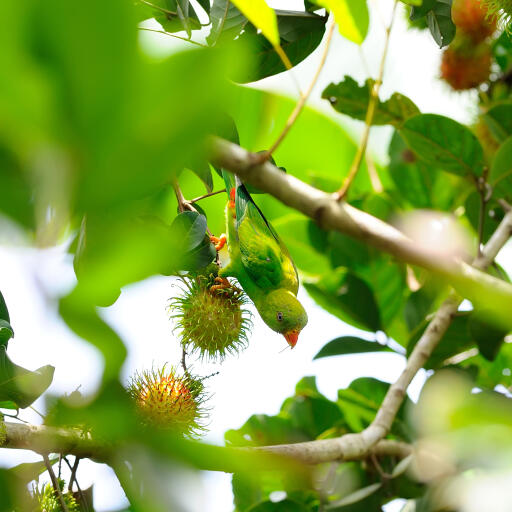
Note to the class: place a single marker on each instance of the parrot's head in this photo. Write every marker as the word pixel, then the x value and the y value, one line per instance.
pixel 283 313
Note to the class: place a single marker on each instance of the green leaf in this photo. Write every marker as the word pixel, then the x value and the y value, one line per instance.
pixel 499 121
pixel 350 345
pixel 348 297
pixel 502 51
pixel 351 16
pixel 443 143
pixel 500 177
pixel 189 228
pixel 489 338
pixel 203 172
pixel 227 22
pixel 300 33
pixel 261 16
pixel 412 2
pixel 4 313
pixel 349 98
pixel 22 386
pixel 355 497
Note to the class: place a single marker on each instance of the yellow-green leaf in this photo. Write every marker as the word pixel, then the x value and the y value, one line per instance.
pixel 351 16
pixel 261 16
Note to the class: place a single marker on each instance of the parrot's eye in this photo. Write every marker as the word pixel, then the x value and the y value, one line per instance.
pixel 279 316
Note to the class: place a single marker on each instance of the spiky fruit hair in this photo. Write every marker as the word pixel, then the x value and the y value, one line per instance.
pixel 502 9
pixel 167 400
pixel 50 502
pixel 210 320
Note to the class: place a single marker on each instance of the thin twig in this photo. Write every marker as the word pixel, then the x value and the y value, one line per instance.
pixel 196 199
pixel 173 35
pixel 183 360
pixel 37 412
pixel 82 496
pixel 372 104
pixel 55 483
pixel 73 473
pixel 183 204
pixel 158 8
pixel 262 157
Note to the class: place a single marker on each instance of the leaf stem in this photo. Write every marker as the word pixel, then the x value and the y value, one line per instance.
pixel 302 100
pixel 372 104
pixel 55 483
pixel 173 35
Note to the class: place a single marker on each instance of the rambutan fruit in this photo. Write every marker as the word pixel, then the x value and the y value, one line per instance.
pixel 473 19
pixel 210 316
pixel 167 400
pixel 466 69
pixel 49 501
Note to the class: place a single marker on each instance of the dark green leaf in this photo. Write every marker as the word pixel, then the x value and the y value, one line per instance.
pixel 300 33
pixel 440 23
pixel 4 313
pixel 488 337
pixel 350 345
pixel 19 385
pixel 6 332
pixel 203 172
pixel 444 143
pixel 502 51
pixel 349 98
pixel 438 16
pixel 500 178
pixel 189 228
pixel 227 22
pixel 348 297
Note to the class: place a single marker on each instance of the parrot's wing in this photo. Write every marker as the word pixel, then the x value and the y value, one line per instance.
pixel 265 258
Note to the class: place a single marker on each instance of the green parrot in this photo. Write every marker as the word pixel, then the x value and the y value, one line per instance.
pixel 261 263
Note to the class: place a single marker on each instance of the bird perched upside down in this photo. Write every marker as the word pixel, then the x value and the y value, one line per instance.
pixel 261 263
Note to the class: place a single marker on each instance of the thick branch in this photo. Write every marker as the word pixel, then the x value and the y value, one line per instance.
pixel 470 282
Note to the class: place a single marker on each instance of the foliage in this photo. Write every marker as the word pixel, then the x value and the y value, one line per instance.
pixel 104 148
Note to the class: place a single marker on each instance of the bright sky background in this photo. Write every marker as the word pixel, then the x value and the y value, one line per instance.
pixel 261 377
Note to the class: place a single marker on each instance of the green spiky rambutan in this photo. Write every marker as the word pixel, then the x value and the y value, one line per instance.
pixel 210 317
pixel 164 399
pixel 49 501
pixel 465 69
pixel 473 19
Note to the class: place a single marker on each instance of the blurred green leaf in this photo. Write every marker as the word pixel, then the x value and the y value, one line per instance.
pixel 285 505
pixel 22 386
pixel 6 332
pixel 349 98
pixel 293 230
pixel 502 51
pixel 499 121
pixel 501 171
pixel 444 143
pixel 355 497
pixel 341 293
pixel 350 345
pixel 29 471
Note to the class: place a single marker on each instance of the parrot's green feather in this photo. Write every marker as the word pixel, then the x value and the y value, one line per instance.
pixel 261 262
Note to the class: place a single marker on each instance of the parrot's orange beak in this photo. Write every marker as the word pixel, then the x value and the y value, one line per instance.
pixel 291 337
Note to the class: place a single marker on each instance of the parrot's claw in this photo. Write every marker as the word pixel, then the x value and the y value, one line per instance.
pixel 223 284
pixel 219 242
